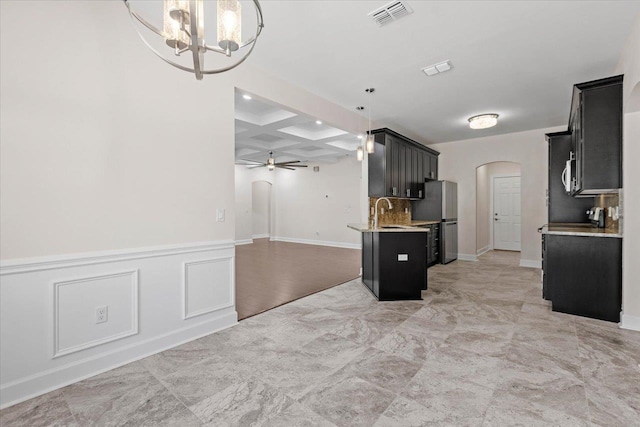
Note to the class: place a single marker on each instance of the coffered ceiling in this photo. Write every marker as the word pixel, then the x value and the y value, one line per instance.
pixel 262 127
pixel 515 58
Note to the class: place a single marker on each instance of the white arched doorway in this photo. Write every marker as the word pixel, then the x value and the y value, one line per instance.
pixel 498 207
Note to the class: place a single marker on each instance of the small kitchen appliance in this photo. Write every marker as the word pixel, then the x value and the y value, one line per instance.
pixel 596 216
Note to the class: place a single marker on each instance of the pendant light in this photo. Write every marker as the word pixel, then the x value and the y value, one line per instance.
pixel 180 30
pixel 360 150
pixel 369 144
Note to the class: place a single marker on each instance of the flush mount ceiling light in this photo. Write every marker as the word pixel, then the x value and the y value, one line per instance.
pixel 318 122
pixel 483 121
pixel 178 27
pixel 247 97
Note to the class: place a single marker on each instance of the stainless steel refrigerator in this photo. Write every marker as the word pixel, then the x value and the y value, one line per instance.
pixel 441 204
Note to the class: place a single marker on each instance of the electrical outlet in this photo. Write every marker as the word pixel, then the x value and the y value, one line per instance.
pixel 102 314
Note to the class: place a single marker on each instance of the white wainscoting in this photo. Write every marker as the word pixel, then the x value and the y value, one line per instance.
pixel 317 242
pixel 157 298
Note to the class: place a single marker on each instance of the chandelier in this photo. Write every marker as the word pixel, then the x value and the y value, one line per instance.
pixel 175 31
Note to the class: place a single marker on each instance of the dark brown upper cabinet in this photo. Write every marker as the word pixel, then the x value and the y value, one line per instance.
pixel 595 125
pixel 399 166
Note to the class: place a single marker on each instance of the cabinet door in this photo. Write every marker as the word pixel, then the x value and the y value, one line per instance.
pixel 434 167
pixel 420 174
pixel 394 167
pixel 402 162
pixel 426 165
pixel 389 177
pixel 408 171
pixel 415 154
pixel 377 169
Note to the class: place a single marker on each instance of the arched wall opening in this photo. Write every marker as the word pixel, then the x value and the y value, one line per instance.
pixel 489 214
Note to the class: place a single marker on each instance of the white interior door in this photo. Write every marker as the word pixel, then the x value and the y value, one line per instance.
pixel 506 213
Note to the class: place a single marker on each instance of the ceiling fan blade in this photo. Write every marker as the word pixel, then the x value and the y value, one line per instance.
pixel 250 161
pixel 285 163
pixel 296 166
pixel 285 167
pixel 256 166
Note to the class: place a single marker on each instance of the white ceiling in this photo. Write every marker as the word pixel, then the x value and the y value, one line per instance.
pixel 262 126
pixel 518 59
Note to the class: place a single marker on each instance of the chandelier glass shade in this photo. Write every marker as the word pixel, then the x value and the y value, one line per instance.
pixel 184 33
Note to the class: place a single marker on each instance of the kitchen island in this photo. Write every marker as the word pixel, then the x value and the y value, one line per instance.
pixel 394 260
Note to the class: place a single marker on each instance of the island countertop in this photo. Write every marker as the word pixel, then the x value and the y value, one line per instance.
pixel 579 230
pixel 393 228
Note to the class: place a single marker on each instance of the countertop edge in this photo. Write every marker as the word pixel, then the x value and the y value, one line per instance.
pixel 545 230
pixel 404 229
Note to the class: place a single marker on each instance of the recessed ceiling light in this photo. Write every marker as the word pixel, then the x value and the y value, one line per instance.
pixel 359 136
pixel 483 121
pixel 247 97
pixel 318 122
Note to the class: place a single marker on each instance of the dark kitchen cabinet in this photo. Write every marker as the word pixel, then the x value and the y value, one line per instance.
pixel 399 166
pixel 393 266
pixel 367 260
pixel 562 208
pixel 583 275
pixel 433 245
pixel 402 165
pixel 595 124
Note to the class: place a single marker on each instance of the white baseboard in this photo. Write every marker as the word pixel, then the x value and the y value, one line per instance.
pixel 317 242
pixel 53 379
pixel 629 322
pixel 530 263
pixel 244 242
pixel 467 257
pixel 176 293
pixel 260 236
pixel 483 250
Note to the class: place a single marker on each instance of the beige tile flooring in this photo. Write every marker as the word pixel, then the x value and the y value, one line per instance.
pixel 482 349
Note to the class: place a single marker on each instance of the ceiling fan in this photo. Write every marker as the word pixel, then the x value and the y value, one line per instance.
pixel 271 164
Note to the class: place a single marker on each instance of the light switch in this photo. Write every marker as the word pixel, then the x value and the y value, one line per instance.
pixel 403 257
pixel 220 215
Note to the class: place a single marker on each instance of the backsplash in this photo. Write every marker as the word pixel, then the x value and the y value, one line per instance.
pixel 400 214
pixel 608 201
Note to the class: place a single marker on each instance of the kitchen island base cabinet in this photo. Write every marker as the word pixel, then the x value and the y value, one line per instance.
pixel 394 265
pixel 584 275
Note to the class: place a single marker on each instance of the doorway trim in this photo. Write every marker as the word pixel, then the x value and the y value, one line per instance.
pixel 491 207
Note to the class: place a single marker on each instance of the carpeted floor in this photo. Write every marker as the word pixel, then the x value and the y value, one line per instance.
pixel 269 274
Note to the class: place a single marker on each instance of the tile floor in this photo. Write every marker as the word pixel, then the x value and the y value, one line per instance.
pixel 482 349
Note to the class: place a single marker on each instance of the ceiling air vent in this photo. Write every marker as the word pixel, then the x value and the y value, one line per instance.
pixel 390 12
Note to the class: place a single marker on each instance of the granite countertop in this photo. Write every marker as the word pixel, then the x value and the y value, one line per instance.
pixel 366 228
pixel 417 223
pixel 580 230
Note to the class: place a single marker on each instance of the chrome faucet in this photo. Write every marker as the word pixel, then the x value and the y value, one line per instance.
pixel 375 215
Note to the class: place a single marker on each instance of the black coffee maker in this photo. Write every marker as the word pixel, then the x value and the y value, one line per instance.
pixel 596 216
